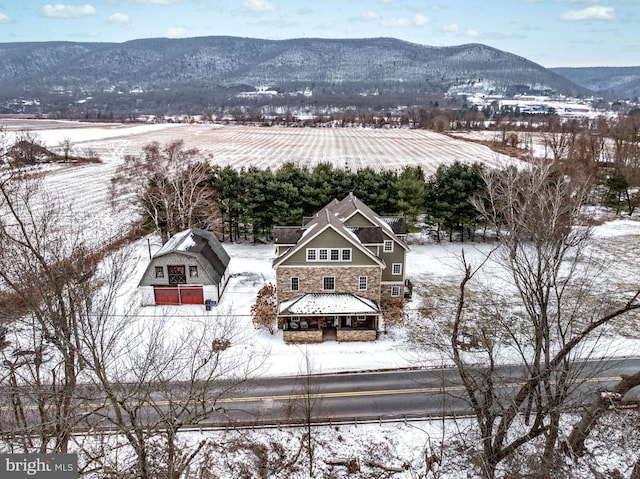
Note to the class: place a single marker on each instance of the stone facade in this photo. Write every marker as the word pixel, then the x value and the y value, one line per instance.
pixel 314 336
pixel 385 293
pixel 346 335
pixel 346 281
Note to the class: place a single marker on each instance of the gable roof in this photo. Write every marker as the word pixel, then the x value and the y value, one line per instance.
pixel 201 245
pixel 334 215
pixel 392 225
pixel 324 220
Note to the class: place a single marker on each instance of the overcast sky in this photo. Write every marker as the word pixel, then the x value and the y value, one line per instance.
pixel 549 32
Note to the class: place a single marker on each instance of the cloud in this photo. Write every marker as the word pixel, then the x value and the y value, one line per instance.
pixel 119 19
pixel 176 32
pixel 597 12
pixel 416 21
pixel 258 6
pixel 159 2
pixel 68 11
pixel 369 16
pixel 472 33
pixel 419 19
pixel 451 28
pixel 5 19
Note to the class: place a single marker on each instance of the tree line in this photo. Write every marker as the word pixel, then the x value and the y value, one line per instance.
pixel 174 188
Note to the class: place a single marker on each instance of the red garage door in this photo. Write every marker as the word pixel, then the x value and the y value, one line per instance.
pixel 179 295
pixel 167 295
pixel 192 295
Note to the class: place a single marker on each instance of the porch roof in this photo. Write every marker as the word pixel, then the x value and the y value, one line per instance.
pixel 329 304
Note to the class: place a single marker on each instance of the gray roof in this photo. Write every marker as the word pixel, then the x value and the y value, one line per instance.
pixel 398 224
pixel 334 215
pixel 369 234
pixel 287 234
pixel 202 245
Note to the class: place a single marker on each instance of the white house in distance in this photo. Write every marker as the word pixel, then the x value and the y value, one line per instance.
pixel 190 268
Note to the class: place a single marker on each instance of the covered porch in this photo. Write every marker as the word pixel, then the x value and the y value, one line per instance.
pixel 313 318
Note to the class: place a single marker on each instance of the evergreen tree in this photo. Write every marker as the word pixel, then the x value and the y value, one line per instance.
pixel 617 190
pixel 376 190
pixel 228 185
pixel 411 192
pixel 447 197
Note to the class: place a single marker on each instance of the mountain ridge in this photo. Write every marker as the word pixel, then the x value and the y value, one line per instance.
pixel 219 67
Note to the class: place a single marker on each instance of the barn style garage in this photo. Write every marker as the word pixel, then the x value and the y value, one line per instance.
pixel 191 268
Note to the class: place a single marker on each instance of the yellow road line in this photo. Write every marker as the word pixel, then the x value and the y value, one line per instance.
pixel 328 395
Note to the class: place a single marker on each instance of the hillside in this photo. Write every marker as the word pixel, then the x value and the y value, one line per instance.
pixel 210 71
pixel 622 82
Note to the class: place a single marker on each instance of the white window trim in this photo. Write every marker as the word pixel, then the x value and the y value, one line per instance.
pixel 360 282
pixel 324 284
pixel 384 247
pixel 313 255
pixel 291 283
pixel 395 291
pixel 393 269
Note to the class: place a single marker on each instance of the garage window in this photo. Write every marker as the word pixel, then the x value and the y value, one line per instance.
pixel 177 274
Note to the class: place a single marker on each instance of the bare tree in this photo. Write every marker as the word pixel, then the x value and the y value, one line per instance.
pixel 45 269
pixel 156 381
pixel 546 322
pixel 171 187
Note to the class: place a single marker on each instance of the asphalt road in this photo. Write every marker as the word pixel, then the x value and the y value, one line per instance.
pixel 353 397
pixel 385 395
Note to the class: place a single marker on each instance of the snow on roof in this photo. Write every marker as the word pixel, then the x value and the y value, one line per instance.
pixel 328 303
pixel 174 243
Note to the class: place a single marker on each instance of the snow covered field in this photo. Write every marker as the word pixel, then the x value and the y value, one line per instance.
pixel 87 188
pixel 615 244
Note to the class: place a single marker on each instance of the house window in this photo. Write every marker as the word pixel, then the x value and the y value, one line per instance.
pixel 159 272
pixel 395 291
pixel 177 274
pixel 396 268
pixel 295 284
pixel 193 271
pixel 388 246
pixel 362 283
pixel 329 283
pixel 329 254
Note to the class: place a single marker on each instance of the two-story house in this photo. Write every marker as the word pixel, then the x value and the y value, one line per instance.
pixel 335 272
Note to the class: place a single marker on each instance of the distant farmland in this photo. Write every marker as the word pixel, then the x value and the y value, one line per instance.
pixel 270 147
pixel 87 186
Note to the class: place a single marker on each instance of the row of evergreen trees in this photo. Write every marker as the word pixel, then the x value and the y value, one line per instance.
pixel 252 200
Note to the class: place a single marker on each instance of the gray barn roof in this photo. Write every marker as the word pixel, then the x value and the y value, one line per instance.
pixel 201 244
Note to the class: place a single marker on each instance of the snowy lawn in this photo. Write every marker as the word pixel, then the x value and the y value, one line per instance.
pixel 615 244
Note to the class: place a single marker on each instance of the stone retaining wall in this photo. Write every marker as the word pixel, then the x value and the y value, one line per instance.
pixel 303 336
pixel 356 335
